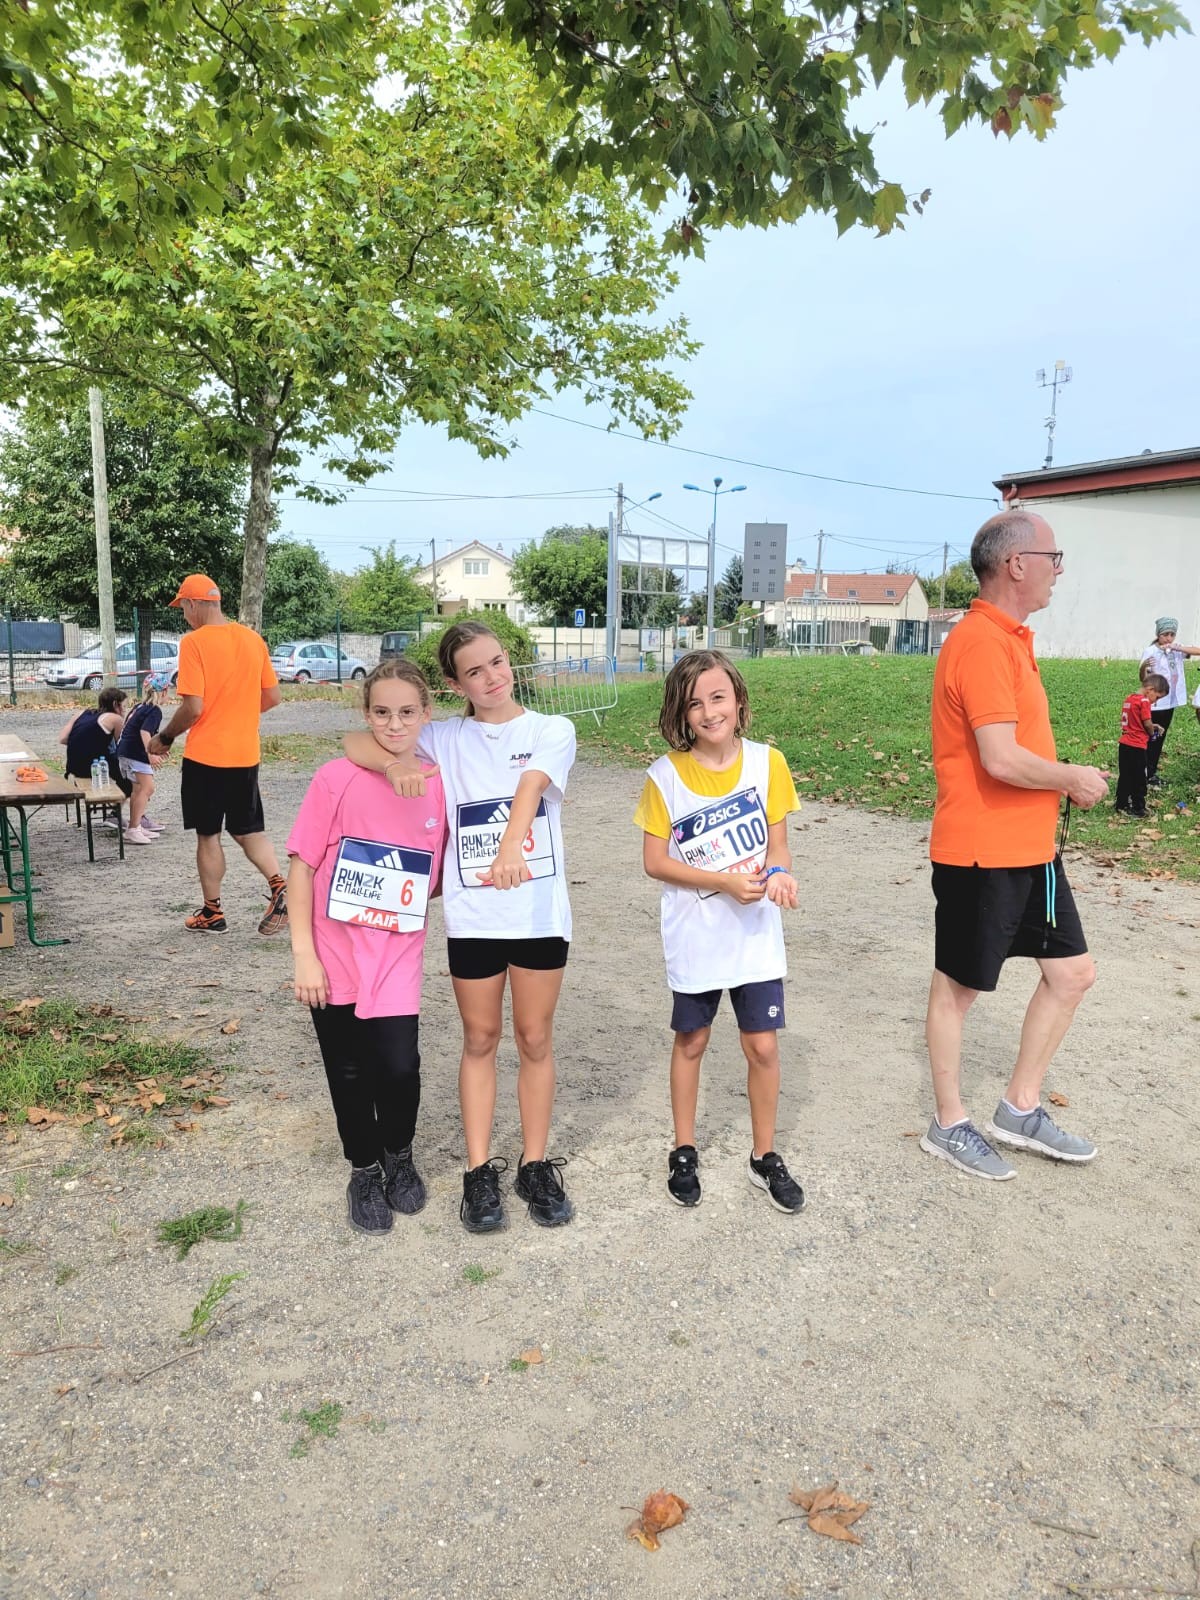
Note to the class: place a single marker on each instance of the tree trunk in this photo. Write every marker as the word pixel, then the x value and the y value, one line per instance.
pixel 257 527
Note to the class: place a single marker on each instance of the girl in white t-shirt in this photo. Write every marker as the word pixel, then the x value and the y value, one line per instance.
pixel 714 819
pixel 1168 659
pixel 363 866
pixel 508 918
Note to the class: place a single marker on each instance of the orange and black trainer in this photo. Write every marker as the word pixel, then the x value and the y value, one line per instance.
pixel 276 918
pixel 209 919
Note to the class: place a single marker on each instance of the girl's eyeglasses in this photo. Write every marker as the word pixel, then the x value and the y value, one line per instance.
pixel 407 715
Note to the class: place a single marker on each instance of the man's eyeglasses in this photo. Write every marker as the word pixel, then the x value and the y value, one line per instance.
pixel 407 715
pixel 1056 556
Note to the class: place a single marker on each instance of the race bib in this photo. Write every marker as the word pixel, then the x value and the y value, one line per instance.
pixel 730 835
pixel 480 829
pixel 382 886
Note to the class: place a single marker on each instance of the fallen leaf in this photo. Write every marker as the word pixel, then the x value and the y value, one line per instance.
pixel 107 1038
pixel 1058 1100
pixel 6 1200
pixel 662 1511
pixel 217 1100
pixel 232 1025
pixel 911 1133
pixel 643 1537
pixel 39 1117
pixel 186 1127
pixel 533 1356
pixel 26 1005
pixel 833 1526
pixel 188 1083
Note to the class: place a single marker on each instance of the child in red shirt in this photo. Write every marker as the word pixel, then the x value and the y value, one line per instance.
pixel 1137 730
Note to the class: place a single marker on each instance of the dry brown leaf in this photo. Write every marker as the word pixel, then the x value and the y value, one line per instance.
pixel 26 1005
pixel 533 1356
pixel 232 1025
pixel 833 1527
pixel 662 1511
pixel 186 1127
pixel 188 1083
pixel 6 1200
pixel 1058 1099
pixel 107 1038
pixel 39 1117
pixel 217 1100
pixel 643 1536
pixel 101 1108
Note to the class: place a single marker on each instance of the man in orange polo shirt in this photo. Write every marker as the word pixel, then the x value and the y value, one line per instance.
pixel 997 876
pixel 225 683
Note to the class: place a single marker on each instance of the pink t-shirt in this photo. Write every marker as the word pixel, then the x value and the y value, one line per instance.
pixel 376 971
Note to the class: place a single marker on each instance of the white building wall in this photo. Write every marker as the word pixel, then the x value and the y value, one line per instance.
pixel 1128 558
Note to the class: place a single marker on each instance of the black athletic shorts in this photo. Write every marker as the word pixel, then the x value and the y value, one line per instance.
pixel 488 958
pixel 220 797
pixel 986 914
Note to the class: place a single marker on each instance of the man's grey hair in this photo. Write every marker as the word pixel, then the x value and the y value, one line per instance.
pixel 998 538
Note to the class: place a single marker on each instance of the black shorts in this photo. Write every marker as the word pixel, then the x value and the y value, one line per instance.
pixel 488 958
pixel 758 1007
pixel 213 798
pixel 986 914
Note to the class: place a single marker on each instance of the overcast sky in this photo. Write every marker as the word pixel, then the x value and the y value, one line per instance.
pixel 906 361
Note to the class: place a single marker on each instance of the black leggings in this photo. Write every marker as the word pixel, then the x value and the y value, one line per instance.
pixel 1154 752
pixel 374 1070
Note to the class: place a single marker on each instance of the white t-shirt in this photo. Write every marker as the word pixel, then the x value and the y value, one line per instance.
pixel 481 765
pixel 1171 664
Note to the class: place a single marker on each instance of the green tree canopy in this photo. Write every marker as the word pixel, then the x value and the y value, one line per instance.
pixel 558 574
pixel 385 594
pixel 301 594
pixel 425 265
pixel 515 639
pixel 735 113
pixel 962 586
pixel 171 512
pixel 727 594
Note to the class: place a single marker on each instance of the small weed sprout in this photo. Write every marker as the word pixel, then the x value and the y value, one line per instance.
pixel 209 1222
pixel 322 1422
pixel 202 1312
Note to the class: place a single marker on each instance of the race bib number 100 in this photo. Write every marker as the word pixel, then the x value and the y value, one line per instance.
pixel 728 836
pixel 480 829
pixel 382 886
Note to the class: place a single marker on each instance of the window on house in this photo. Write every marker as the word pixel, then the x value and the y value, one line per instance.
pixel 475 569
pixel 852 594
pixel 889 594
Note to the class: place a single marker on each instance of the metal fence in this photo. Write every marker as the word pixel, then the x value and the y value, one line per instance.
pixel 581 688
pixel 898 636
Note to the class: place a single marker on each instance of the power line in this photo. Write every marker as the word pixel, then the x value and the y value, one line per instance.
pixel 764 466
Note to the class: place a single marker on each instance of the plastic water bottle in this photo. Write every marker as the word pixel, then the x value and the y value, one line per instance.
pixel 95 785
pixel 102 772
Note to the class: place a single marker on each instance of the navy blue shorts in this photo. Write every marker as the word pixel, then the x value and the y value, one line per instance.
pixel 758 1008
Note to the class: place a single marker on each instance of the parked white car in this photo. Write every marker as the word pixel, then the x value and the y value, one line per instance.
pixel 86 671
pixel 309 661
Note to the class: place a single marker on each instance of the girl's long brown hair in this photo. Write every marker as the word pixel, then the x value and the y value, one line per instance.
pixel 678 690
pixel 452 641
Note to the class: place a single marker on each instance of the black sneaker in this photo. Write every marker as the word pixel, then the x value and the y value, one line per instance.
pixel 770 1174
pixel 538 1183
pixel 1154 783
pixel 403 1187
pixel 366 1200
pixel 683 1178
pixel 482 1210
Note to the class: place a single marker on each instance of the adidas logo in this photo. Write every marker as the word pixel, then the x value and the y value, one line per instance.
pixel 393 860
pixel 501 813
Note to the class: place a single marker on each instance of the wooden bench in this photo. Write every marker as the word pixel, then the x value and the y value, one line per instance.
pixel 106 801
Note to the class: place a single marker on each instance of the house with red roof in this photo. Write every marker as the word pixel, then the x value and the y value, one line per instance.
pixel 845 605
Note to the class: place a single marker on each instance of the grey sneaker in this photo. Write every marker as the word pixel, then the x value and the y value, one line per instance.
pixel 965 1148
pixel 403 1188
pixel 366 1201
pixel 1037 1130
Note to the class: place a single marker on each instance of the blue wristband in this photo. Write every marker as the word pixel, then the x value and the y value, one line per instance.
pixel 770 872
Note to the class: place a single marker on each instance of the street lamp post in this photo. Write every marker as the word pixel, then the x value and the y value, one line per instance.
pixel 737 488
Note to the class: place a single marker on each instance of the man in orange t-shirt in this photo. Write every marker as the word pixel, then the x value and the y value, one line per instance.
pixel 997 878
pixel 225 683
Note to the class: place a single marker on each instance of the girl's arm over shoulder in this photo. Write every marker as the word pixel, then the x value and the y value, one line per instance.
pixel 406 775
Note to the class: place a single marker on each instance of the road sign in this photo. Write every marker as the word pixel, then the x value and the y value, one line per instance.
pixel 580 616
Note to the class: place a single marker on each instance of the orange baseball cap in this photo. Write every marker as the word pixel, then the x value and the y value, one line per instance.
pixel 196 587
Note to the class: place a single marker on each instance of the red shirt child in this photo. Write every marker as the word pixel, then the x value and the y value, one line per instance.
pixel 1135 715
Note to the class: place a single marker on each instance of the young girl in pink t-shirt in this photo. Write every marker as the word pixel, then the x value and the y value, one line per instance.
pixel 364 863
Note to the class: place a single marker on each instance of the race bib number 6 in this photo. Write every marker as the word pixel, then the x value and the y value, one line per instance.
pixel 382 886
pixel 729 835
pixel 480 828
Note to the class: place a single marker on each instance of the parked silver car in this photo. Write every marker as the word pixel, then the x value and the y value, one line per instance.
pixel 86 671
pixel 309 661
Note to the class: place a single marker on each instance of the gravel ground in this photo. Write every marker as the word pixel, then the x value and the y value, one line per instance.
pixel 1006 1372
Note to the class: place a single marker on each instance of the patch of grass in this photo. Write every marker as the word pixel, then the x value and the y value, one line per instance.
pixel 20 1186
pixel 63 1273
pixel 10 1249
pixel 322 1422
pixel 855 730
pixel 64 1169
pixel 346 693
pixel 475 1274
pixel 679 1340
pixel 304 749
pixel 87 1064
pixel 205 1308
pixel 209 1222
pixel 517 1365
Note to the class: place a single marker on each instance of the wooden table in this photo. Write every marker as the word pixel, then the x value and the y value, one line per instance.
pixel 27 798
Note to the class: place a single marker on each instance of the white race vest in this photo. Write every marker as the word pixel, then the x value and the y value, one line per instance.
pixel 384 886
pixel 710 941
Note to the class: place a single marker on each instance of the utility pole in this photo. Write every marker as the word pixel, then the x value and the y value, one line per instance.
pixel 942 591
pixel 612 603
pixel 812 640
pixel 1062 375
pixel 433 548
pixel 104 587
